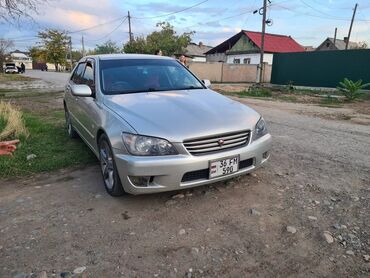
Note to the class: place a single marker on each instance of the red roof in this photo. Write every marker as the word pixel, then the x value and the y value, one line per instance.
pixel 275 43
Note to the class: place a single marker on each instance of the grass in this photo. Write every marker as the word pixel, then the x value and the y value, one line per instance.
pixel 287 98
pixel 257 92
pixel 14 77
pixel 12 122
pixel 331 102
pixel 49 141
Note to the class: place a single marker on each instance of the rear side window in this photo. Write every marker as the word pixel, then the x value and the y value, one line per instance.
pixel 77 74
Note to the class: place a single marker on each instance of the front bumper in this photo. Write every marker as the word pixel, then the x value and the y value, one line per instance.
pixel 167 172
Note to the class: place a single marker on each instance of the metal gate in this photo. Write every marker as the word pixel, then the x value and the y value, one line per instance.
pixel 321 68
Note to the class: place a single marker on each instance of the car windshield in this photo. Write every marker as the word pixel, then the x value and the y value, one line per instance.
pixel 124 76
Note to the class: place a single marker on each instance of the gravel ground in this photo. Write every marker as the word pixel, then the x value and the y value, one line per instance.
pixel 305 214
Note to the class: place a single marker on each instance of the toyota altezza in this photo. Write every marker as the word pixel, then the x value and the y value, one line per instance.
pixel 155 126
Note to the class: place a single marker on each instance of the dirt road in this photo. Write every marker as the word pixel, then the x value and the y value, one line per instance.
pixel 318 180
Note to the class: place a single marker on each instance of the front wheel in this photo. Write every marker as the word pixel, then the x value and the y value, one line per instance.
pixel 108 167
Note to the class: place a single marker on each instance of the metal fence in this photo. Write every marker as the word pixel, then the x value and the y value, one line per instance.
pixel 321 68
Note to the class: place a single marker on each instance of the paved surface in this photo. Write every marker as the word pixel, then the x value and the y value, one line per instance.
pixel 317 180
pixel 56 78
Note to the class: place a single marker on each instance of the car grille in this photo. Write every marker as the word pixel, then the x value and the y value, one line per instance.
pixel 217 143
pixel 203 174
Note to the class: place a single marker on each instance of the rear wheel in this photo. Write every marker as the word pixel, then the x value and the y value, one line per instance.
pixel 70 129
pixel 108 167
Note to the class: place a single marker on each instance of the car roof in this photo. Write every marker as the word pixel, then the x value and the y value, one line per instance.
pixel 126 56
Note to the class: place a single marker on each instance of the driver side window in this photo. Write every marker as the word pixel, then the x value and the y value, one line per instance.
pixel 88 76
pixel 77 75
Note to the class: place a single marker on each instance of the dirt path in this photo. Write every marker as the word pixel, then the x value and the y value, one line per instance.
pixel 318 179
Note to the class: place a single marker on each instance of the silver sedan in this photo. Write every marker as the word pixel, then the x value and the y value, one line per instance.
pixel 155 126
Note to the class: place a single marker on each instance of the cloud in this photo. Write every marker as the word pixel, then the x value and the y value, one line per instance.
pixel 204 19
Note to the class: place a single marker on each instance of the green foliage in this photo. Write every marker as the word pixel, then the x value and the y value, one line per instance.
pixel 138 45
pixel 38 54
pixel 48 140
pixel 258 91
pixel 76 55
pixel 166 40
pixel 351 89
pixel 54 46
pixel 108 47
pixel 331 101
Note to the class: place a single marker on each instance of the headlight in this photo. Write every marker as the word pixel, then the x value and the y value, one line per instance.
pixel 147 146
pixel 260 129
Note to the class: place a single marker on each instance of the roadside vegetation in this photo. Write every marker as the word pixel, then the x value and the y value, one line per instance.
pixel 44 143
pixel 352 90
pixel 14 77
pixel 348 91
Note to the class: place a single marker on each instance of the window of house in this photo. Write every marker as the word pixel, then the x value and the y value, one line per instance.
pixel 247 61
pixel 327 44
pixel 236 61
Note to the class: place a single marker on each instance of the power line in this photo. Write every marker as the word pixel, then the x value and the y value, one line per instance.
pixel 96 26
pixel 317 10
pixel 317 16
pixel 179 11
pixel 111 32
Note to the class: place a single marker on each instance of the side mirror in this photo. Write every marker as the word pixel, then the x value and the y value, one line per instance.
pixel 81 90
pixel 207 83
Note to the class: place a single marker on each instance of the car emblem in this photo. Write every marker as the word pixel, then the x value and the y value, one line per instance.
pixel 221 142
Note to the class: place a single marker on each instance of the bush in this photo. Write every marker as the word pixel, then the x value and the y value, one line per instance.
pixel 351 89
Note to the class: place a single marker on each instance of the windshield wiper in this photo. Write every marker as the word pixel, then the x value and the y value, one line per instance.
pixel 189 88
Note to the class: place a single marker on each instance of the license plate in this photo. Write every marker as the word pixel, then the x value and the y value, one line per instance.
pixel 223 167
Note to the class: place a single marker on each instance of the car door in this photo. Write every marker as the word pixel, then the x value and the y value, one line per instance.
pixel 71 100
pixel 88 111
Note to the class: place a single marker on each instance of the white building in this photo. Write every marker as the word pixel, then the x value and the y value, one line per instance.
pixel 19 57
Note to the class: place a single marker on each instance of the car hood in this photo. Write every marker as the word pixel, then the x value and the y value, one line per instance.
pixel 180 115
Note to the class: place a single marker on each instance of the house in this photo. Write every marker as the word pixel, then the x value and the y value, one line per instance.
pixel 196 52
pixel 18 57
pixel 329 44
pixel 245 48
pixel 309 48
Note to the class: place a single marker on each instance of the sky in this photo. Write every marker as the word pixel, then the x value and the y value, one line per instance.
pixel 309 22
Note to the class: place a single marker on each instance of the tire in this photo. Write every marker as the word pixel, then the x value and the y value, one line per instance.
pixel 111 179
pixel 72 133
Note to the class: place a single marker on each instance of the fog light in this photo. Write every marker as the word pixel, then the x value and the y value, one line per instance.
pixel 265 155
pixel 141 180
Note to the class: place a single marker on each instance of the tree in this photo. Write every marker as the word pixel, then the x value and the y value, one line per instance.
pixel 166 40
pixel 16 9
pixel 38 54
pixel 54 43
pixel 108 47
pixel 5 45
pixel 76 55
pixel 137 45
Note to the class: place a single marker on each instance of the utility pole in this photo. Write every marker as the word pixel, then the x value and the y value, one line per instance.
pixel 70 52
pixel 335 35
pixel 83 45
pixel 262 41
pixel 129 26
pixel 350 27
